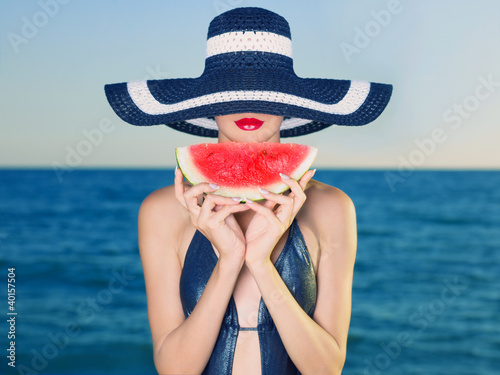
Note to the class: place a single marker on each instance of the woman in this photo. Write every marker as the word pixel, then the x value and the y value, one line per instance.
pixel 248 288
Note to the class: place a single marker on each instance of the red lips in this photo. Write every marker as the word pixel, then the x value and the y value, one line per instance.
pixel 249 124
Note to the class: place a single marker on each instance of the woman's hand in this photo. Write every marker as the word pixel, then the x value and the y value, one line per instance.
pixel 268 225
pixel 214 218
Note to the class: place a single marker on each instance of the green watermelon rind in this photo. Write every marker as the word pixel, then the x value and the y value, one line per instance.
pixel 192 175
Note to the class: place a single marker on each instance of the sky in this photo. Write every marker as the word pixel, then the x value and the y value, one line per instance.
pixel 442 56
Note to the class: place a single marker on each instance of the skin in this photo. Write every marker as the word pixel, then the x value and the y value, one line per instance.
pixel 248 238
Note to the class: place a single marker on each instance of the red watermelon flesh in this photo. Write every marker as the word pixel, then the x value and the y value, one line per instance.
pixel 241 168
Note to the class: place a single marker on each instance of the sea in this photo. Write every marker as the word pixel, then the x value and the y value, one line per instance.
pixel 426 293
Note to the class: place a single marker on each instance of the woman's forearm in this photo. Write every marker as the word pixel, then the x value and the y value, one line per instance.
pixel 187 349
pixel 312 349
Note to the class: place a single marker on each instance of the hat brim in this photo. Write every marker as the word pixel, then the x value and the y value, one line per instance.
pixel 189 104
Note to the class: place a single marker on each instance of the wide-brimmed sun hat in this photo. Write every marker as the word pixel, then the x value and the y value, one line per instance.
pixel 248 69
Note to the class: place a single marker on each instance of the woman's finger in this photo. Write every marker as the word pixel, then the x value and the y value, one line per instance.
pixel 267 214
pixel 267 203
pixel 306 178
pixel 192 194
pixel 284 212
pixel 198 189
pixel 225 211
pixel 274 199
pixel 179 187
pixel 297 189
pixel 184 192
pixel 212 201
pixel 302 183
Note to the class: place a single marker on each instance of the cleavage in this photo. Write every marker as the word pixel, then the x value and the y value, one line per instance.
pixel 246 293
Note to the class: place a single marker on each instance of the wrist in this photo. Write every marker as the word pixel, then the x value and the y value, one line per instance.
pixel 258 266
pixel 230 264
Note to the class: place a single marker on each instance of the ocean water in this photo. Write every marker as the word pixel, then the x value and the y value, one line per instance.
pixel 426 295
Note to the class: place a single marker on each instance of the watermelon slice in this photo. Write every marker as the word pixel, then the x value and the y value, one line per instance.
pixel 241 168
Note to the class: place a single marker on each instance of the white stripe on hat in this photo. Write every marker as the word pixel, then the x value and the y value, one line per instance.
pixel 204 122
pixel 293 122
pixel 259 41
pixel 142 97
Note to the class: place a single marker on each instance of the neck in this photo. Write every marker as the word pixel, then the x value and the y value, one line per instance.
pixel 251 138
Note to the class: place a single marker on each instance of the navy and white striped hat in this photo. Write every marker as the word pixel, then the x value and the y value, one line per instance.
pixel 248 69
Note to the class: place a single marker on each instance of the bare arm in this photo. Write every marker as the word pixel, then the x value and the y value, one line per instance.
pixel 318 345
pixel 181 346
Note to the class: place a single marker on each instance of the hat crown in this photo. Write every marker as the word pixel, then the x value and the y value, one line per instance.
pixel 249 19
pixel 251 40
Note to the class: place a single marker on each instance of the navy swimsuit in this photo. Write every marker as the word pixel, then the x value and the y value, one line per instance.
pixel 295 268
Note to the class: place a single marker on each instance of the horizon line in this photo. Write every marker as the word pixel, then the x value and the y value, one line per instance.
pixel 319 168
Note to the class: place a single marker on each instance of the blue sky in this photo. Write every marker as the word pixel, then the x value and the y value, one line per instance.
pixel 443 58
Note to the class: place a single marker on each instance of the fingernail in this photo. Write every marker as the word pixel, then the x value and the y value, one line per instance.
pixel 214 186
pixel 237 199
pixel 314 172
pixel 284 176
pixel 263 191
pixel 176 168
pixel 249 201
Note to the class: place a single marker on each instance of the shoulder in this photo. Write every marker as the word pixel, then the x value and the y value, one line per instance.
pixel 330 214
pixel 327 203
pixel 161 205
pixel 162 219
pixel 159 201
pixel 327 194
